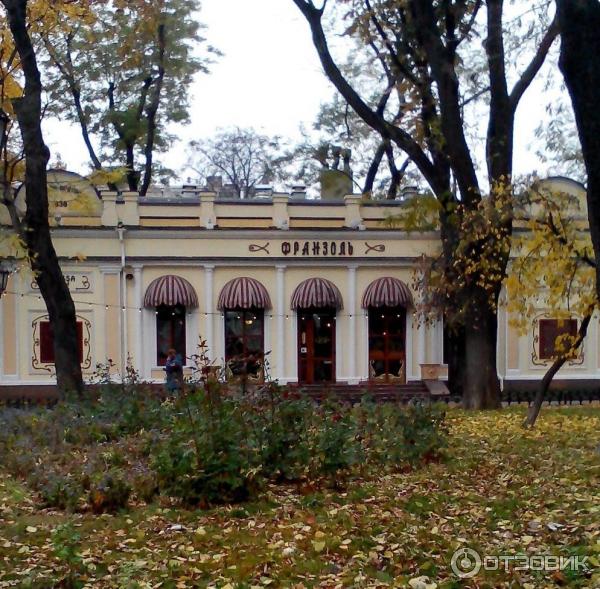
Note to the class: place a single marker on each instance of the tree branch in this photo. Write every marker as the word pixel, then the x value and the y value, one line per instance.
pixel 378 123
pixel 534 66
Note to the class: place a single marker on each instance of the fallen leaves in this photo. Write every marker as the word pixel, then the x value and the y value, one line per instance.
pixel 502 490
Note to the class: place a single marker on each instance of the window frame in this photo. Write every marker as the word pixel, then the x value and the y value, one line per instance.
pixel 46 338
pixel 571 327
pixel 160 362
pixel 259 314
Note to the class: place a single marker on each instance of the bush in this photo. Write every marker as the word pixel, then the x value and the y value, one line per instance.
pixel 109 494
pixel 336 441
pixel 61 491
pixel 209 456
pixel 208 445
pixel 403 436
pixel 282 425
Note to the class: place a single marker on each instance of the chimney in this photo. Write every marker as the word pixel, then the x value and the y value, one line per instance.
pixel 214 183
pixel 298 191
pixel 336 183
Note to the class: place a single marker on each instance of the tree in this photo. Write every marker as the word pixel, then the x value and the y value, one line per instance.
pixel 243 157
pixel 33 228
pixel 553 270
pixel 122 75
pixel 427 56
pixel 579 22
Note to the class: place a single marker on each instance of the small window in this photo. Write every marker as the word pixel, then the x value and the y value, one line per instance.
pixel 170 332
pixel 550 330
pixel 47 342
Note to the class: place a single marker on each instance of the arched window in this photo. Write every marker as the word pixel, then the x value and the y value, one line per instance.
pixel 170 296
pixel 243 302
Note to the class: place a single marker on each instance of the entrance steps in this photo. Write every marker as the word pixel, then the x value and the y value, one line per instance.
pixel 379 392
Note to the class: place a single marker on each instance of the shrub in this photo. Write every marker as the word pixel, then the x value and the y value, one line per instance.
pixel 60 491
pixel 282 424
pixel 209 456
pixel 336 441
pixel 401 436
pixel 110 494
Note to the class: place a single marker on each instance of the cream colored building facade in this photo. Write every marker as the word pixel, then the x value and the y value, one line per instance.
pixel 115 248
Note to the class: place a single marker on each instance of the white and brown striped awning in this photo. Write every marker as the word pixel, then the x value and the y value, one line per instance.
pixel 317 292
pixel 387 292
pixel 244 293
pixel 170 290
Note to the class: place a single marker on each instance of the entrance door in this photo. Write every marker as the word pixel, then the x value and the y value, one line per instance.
pixel 387 344
pixel 316 345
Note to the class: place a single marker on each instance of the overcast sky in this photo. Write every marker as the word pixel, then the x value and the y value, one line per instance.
pixel 269 78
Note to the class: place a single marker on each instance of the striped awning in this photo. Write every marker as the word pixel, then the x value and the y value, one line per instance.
pixel 244 293
pixel 387 292
pixel 170 290
pixel 316 292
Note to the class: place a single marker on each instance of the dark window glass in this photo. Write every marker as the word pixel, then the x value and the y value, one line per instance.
pixel 550 329
pixel 244 340
pixel 47 342
pixel 170 332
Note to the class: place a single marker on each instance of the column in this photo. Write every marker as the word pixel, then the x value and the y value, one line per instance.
pixel 138 296
pixel 352 344
pixel 420 344
pixel 113 317
pixel 209 309
pixel 279 371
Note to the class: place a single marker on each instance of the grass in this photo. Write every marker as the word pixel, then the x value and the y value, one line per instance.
pixel 501 491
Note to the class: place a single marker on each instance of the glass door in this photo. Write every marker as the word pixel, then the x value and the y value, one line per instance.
pixel 387 344
pixel 316 345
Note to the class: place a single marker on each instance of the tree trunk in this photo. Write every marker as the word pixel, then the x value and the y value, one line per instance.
pixel 36 230
pixel 579 22
pixel 455 352
pixel 481 386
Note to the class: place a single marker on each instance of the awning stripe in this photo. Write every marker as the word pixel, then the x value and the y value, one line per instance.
pixel 316 292
pixel 170 290
pixel 244 293
pixel 387 292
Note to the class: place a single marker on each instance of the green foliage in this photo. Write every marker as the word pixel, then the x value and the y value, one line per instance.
pixel 282 424
pixel 61 491
pixel 337 448
pixel 124 67
pixel 208 446
pixel 110 493
pixel 66 543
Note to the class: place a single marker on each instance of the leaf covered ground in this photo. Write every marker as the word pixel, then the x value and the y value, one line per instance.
pixel 500 490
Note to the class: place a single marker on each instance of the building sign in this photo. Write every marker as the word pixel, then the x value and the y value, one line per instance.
pixel 317 248
pixel 76 281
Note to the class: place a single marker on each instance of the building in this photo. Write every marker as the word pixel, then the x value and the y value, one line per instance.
pixel 321 286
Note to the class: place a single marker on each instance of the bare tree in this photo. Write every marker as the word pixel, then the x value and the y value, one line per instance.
pixel 242 157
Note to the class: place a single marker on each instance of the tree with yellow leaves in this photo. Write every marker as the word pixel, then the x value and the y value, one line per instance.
pixel 553 268
pixel 24 160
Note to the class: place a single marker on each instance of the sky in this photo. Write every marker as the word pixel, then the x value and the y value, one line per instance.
pixel 269 78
